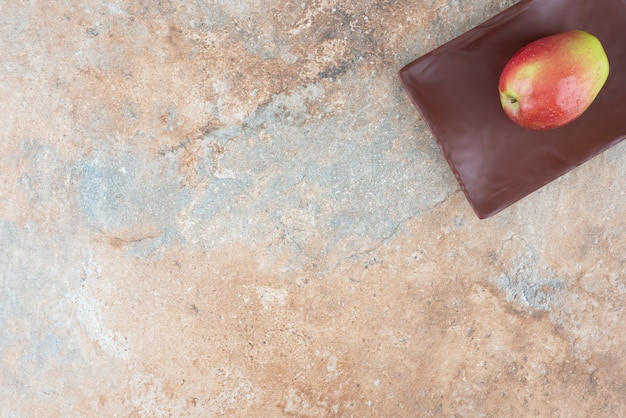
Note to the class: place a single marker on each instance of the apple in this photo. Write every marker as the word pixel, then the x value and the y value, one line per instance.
pixel 550 82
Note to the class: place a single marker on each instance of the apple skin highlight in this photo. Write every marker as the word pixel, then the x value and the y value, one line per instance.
pixel 553 80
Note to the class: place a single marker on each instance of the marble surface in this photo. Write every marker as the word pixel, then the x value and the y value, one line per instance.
pixel 231 208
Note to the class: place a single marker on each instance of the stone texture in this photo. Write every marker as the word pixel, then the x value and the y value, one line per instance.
pixel 230 208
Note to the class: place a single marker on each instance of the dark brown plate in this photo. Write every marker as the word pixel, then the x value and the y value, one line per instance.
pixel 455 88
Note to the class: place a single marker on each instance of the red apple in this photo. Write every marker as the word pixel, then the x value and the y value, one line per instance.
pixel 553 80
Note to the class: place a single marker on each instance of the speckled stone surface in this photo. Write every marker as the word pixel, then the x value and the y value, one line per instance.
pixel 231 208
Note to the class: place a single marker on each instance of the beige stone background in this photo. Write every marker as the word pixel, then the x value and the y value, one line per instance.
pixel 231 208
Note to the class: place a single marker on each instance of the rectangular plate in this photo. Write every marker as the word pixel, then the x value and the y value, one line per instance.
pixel 455 88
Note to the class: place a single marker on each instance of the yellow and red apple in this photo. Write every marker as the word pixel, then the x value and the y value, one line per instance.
pixel 553 80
